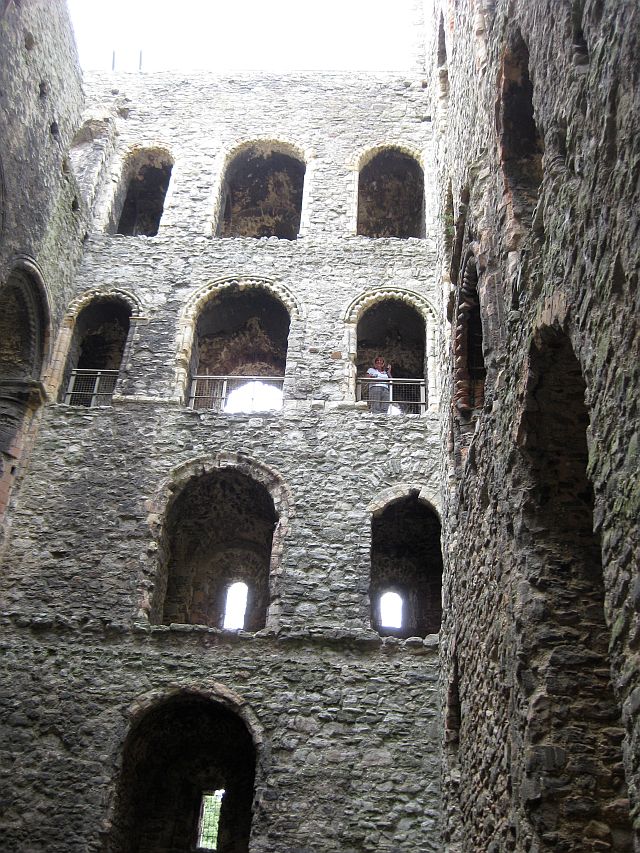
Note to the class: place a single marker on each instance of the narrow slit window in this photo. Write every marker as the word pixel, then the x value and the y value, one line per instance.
pixel 236 606
pixel 391 610
pixel 210 819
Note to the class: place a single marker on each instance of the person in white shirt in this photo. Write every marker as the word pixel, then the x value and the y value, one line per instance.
pixel 379 392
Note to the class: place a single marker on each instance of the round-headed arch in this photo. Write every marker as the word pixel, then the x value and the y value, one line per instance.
pixel 366 154
pixel 217 289
pixel 237 491
pixel 200 297
pixel 182 744
pixel 261 189
pixel 26 307
pixel 103 293
pixel 261 473
pixel 406 560
pixel 214 692
pixel 368 299
pixel 425 492
pixel 266 144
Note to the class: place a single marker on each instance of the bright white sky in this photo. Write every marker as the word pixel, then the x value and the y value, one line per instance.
pixel 252 35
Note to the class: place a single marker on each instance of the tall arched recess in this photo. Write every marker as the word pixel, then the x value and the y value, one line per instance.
pixel 391 195
pixel 571 771
pixel 218 532
pixel 262 193
pixel 139 201
pixel 100 336
pixel 406 563
pixel 24 333
pixel 186 782
pixel 239 351
pixel 396 330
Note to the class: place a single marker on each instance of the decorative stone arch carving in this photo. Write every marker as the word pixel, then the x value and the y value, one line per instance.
pixel 56 370
pixel 172 486
pixel 37 302
pixel 363 156
pixel 200 297
pixel 293 148
pixel 366 300
pixel 427 493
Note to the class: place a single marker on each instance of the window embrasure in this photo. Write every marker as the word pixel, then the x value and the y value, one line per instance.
pixel 406 569
pixel 262 194
pixel 391 196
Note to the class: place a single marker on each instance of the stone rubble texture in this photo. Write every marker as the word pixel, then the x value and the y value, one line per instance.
pixel 362 743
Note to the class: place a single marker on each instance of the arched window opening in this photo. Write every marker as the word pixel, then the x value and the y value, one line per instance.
pixel 469 371
pixel 23 333
pixel 573 727
pixel 521 144
pixel 147 180
pixel 187 781
pixel 236 606
pixel 97 347
pixel 394 330
pixel 262 195
pixel 390 610
pixel 391 196
pixel 443 65
pixel 239 353
pixel 406 561
pixel 218 536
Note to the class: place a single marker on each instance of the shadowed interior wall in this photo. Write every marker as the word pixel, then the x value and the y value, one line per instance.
pixel 241 333
pixel 406 558
pixel 391 196
pixel 573 787
pixel 175 753
pixel 219 531
pixel 263 195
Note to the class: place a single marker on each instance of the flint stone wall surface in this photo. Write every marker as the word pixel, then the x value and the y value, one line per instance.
pixel 348 758
pixel 39 87
pixel 83 557
pixel 577 272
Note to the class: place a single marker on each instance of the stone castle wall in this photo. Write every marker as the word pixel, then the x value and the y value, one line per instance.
pixel 519 656
pixel 346 722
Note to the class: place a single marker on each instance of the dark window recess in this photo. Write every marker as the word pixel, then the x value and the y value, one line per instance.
pixel 144 202
pixel 406 559
pixel 186 782
pixel 219 532
pixel 397 331
pixel 521 144
pixel 563 637
pixel 263 195
pixel 242 332
pixel 97 346
pixel 391 196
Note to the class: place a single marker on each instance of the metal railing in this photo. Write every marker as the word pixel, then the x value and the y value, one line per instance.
pixel 236 393
pixel 393 396
pixel 91 387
